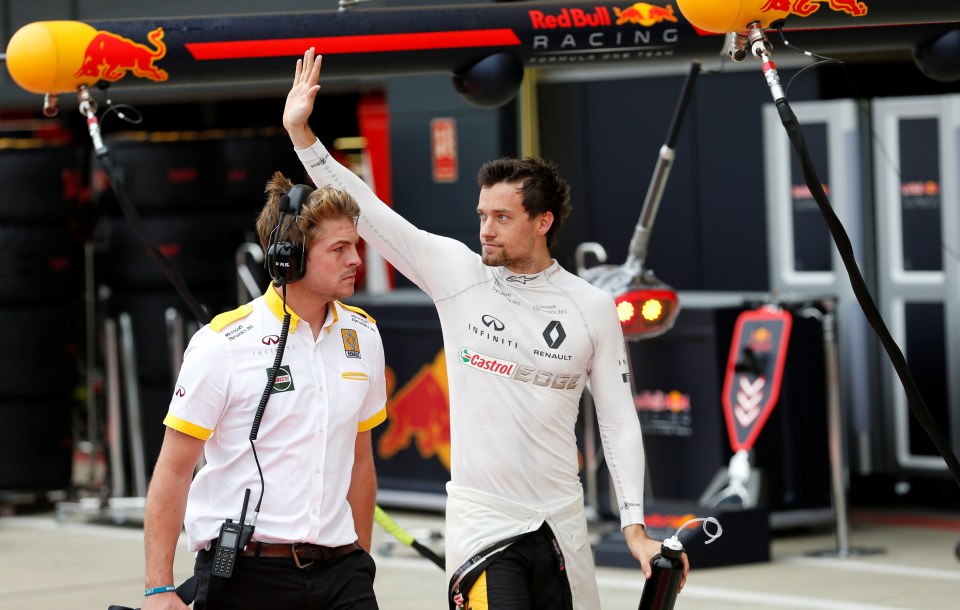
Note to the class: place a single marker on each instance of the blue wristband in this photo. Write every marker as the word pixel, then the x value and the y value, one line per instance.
pixel 155 590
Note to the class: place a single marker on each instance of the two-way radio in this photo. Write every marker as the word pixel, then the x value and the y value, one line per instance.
pixel 233 537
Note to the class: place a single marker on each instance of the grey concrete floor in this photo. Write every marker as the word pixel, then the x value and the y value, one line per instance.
pixel 48 563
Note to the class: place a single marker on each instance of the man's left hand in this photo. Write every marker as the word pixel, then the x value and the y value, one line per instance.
pixel 644 548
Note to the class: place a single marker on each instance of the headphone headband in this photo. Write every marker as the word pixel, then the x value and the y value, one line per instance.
pixel 295 199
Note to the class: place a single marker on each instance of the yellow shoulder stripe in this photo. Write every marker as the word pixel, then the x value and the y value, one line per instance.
pixel 182 425
pixel 357 310
pixel 373 422
pixel 229 317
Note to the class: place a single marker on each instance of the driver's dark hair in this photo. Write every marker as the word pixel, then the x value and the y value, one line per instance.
pixel 539 183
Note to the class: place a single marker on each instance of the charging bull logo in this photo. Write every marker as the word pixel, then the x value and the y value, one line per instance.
pixel 420 412
pixel 109 57
pixel 642 13
pixel 805 8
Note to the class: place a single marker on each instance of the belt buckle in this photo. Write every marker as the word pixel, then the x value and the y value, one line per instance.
pixel 296 558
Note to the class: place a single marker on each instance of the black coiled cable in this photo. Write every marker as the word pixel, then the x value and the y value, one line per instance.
pixel 271 379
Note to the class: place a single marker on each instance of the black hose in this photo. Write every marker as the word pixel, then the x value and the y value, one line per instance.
pixel 860 290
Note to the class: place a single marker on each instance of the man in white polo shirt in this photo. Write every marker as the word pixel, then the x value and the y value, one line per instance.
pixel 308 460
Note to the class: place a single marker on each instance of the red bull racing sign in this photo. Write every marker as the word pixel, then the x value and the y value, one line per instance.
pixel 607 32
pixel 59 56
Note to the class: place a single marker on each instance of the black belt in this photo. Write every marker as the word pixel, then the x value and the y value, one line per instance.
pixel 301 553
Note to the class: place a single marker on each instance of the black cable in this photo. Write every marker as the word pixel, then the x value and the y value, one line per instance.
pixel 130 212
pixel 860 290
pixel 821 59
pixel 124 112
pixel 271 379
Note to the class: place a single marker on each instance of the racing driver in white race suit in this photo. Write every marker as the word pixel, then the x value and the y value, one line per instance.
pixel 522 338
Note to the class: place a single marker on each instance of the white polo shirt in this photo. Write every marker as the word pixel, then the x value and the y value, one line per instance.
pixel 327 390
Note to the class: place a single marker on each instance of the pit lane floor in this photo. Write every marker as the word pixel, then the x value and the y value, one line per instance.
pixel 48 564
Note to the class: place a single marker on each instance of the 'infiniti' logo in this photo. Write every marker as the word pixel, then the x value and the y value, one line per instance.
pixel 491 322
pixel 270 340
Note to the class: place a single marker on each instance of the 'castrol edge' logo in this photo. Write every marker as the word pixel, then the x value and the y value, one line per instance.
pixel 518 372
pixel 502 368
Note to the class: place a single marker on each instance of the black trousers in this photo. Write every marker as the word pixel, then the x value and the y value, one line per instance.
pixel 530 574
pixel 274 583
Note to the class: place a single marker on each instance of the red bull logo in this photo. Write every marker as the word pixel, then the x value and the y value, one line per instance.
pixel 667 521
pixel 645 14
pixel 110 57
pixel 420 413
pixel 761 339
pixel 805 8
pixel 674 401
pixel 570 18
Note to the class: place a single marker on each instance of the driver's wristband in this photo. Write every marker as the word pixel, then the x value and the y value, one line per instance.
pixel 155 590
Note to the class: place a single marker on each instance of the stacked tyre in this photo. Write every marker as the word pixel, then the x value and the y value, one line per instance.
pixel 41 311
pixel 198 196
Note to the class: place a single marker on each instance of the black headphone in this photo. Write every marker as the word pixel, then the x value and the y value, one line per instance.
pixel 285 261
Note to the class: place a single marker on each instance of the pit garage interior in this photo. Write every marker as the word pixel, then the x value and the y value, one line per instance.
pixel 95 329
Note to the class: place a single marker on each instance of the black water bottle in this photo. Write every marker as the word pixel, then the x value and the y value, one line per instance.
pixel 660 590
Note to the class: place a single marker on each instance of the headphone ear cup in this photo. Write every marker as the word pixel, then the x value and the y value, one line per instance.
pixel 285 262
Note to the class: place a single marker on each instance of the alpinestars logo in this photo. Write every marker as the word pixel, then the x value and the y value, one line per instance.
pixel 521 279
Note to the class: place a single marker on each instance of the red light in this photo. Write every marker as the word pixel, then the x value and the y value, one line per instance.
pixel 657 309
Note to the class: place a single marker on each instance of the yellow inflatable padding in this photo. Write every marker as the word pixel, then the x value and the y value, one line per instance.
pixel 45 56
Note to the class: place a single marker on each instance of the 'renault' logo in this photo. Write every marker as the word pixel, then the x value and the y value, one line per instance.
pixel 554 334
pixel 109 57
pixel 351 343
pixel 283 382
